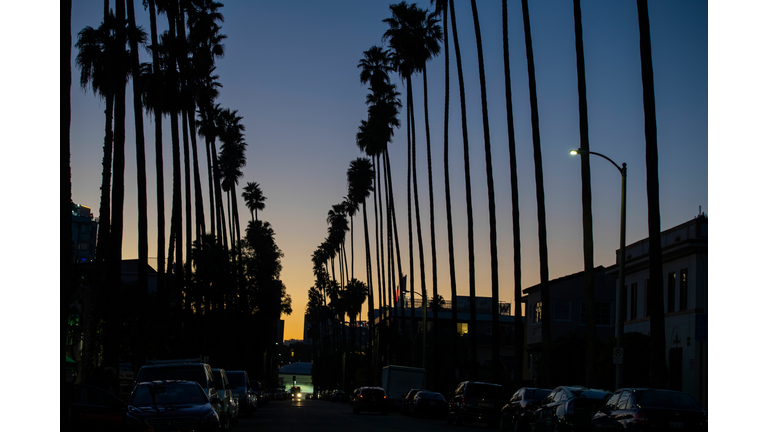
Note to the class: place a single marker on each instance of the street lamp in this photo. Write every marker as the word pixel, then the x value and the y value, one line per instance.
pixel 623 237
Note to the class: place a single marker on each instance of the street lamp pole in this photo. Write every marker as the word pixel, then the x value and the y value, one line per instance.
pixel 622 300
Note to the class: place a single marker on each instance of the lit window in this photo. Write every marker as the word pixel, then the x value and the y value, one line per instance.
pixel 537 312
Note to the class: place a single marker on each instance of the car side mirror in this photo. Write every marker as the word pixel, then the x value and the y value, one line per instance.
pixel 215 401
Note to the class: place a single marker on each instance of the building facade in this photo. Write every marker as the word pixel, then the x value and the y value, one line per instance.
pixel 84 230
pixel 567 316
pixel 685 270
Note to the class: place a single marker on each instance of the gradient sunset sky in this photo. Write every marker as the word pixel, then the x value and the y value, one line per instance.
pixel 290 69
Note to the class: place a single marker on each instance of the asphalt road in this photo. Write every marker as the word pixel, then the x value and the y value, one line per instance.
pixel 324 416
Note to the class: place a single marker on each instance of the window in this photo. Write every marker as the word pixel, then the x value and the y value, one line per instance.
pixel 645 298
pixel 683 289
pixel 537 312
pixel 633 302
pixel 612 402
pixel 602 314
pixel 561 310
pixel 671 291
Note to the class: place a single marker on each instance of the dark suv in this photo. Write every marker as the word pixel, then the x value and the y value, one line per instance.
pixel 476 402
pixel 370 399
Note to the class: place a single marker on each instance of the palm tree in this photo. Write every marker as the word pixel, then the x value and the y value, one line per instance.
pixel 160 183
pixel 232 158
pixel 414 37
pixel 134 38
pixel 658 377
pixel 254 198
pixel 360 177
pixel 170 7
pixel 468 189
pixel 491 201
pixel 65 194
pixel 351 209
pixel 97 49
pixel 374 135
pixel 516 259
pixel 441 7
pixel 355 295
pixel 546 337
pixel 586 207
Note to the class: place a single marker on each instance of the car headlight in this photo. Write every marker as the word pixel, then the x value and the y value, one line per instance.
pixel 212 417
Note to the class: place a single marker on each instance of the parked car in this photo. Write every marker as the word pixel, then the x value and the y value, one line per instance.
pixel 477 402
pixel 517 414
pixel 430 404
pixel 405 407
pixel 95 409
pixel 154 405
pixel 338 396
pixel 568 408
pixel 641 409
pixel 229 413
pixel 200 373
pixel 262 398
pixel 243 393
pixel 370 399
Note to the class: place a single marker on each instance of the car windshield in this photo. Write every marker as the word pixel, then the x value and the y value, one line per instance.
pixel 665 399
pixel 485 390
pixel 168 394
pixel 431 395
pixel 537 394
pixel 237 379
pixel 176 372
pixel 372 392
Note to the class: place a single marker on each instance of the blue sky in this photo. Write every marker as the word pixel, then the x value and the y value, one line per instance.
pixel 290 71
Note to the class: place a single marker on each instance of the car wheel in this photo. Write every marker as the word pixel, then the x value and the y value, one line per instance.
pixel 226 423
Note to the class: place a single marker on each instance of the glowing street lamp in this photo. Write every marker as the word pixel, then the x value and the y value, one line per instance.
pixel 623 236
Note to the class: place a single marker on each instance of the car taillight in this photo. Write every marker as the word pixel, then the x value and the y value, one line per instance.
pixel 642 418
pixel 462 400
pixel 360 396
pixel 529 407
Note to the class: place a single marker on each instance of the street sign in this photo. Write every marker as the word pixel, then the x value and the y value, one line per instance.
pixel 618 356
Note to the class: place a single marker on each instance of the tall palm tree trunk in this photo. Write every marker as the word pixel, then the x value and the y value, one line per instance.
pixel 586 208
pixel 377 224
pixel 470 219
pixel 516 257
pixel 546 337
pixel 448 208
pixel 410 217
pixel 176 239
pixel 495 356
pixel 141 170
pixel 65 193
pixel 112 347
pixel 394 220
pixel 211 199
pixel 160 187
pixel 658 367
pixel 419 238
pixel 435 339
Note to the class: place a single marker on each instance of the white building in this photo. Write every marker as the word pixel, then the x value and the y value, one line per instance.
pixel 685 267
